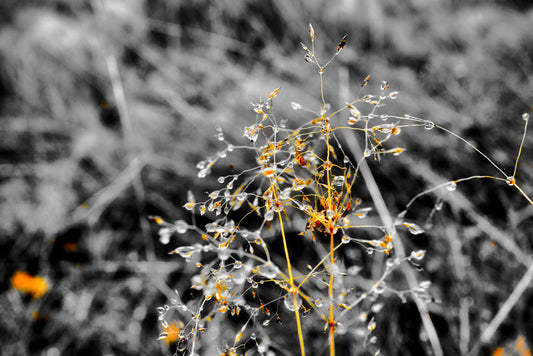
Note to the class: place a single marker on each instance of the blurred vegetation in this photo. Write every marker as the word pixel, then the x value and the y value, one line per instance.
pixel 106 106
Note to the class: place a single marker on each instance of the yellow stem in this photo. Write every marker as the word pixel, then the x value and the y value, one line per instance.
pixel 331 320
pixel 520 150
pixel 293 290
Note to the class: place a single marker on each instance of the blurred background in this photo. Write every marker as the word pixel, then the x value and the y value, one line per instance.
pixel 107 106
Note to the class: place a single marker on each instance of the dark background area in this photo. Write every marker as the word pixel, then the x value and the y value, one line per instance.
pixel 107 106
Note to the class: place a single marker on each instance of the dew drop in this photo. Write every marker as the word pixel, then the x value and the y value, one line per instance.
pixel 220 180
pixel 393 95
pixel 184 251
pixel 451 186
pixel 428 125
pixel 384 117
pixel 352 120
pixel 202 173
pixel 362 213
pixel 163 335
pixel 380 288
pixel 346 160
pixel 253 336
pixel 319 303
pixel 417 255
pixel 164 235
pixel 376 308
pixel 510 181
pixel 201 165
pixel 288 301
pixel 330 214
pixel 413 228
pixel 392 262
pixel 355 113
pixel 295 106
pixel 525 116
pixel 345 239
pixel 181 227
pixel 425 285
pixel 338 181
pixel 269 216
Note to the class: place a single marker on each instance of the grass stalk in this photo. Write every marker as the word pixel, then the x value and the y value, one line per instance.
pixel 293 290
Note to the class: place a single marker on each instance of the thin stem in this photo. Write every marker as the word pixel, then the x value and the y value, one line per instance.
pixel 330 292
pixel 437 187
pixel 520 149
pixel 293 291
pixel 473 147
pixel 317 265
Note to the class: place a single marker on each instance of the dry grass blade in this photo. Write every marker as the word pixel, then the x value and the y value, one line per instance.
pixel 507 306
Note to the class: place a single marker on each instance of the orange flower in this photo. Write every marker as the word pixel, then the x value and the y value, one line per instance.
pixel 34 285
pixel 173 332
